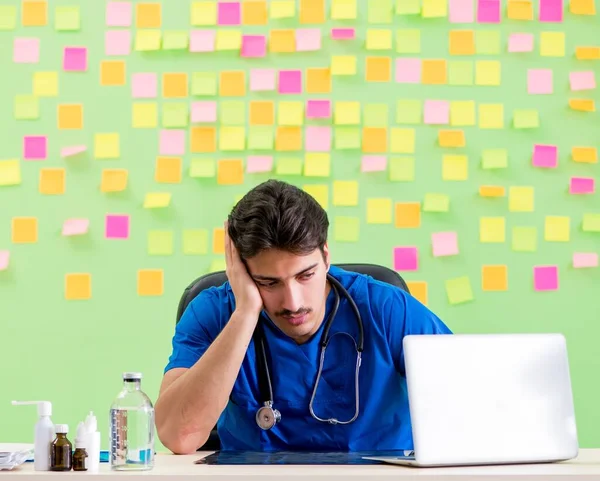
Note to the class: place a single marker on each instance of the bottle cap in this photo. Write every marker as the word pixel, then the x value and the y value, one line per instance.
pixel 132 376
pixel 91 423
pixel 61 428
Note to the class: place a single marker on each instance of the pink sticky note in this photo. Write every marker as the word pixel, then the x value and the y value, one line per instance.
pixel 75 59
pixel 520 42
pixel 202 40
pixel 583 259
pixel 117 42
pixel 539 81
pixel 582 185
pixel 73 150
pixel 4 259
pixel 582 80
pixel 406 258
pixel 254 46
pixel 229 13
pixel 259 163
pixel 262 79
pixel 461 11
pixel 318 109
pixel 75 227
pixel 551 11
pixel 204 111
pixel 35 147
pixel 26 50
pixel 408 70
pixel 118 14
pixel 373 163
pixel 545 278
pixel 308 39
pixel 545 156
pixel 444 244
pixel 290 81
pixel 437 112
pixel 117 226
pixel 343 33
pixel 144 85
pixel 488 11
pixel 172 142
pixel 318 139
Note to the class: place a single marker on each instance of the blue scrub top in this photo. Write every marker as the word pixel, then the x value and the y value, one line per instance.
pixel 388 314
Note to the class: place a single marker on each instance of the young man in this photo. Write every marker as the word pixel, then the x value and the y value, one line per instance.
pixel 278 264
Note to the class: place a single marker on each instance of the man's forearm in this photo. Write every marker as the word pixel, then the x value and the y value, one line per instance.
pixel 190 407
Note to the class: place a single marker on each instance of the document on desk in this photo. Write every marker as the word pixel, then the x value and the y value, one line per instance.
pixel 294 457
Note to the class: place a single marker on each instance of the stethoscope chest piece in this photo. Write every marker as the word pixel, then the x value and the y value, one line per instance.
pixel 267 416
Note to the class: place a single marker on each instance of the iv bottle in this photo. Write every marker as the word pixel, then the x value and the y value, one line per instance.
pixel 131 427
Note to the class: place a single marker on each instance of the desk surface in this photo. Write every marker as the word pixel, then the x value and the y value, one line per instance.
pixel 585 467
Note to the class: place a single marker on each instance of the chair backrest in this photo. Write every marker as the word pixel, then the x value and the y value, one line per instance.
pixel 215 279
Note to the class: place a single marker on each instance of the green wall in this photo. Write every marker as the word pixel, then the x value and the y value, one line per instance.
pixel 72 352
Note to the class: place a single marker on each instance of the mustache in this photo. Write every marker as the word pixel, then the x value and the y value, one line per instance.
pixel 299 312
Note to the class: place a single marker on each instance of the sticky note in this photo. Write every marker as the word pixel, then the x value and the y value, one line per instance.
pixel 118 14
pixel 461 42
pixel 521 199
pixel 230 172
pixel 175 40
pixel 374 140
pixel 282 9
pixel 345 192
pixel 492 229
pixel 282 41
pixel 112 73
pixel 545 156
pixel 204 111
pixel 378 39
pixel 308 39
pixel 26 107
pixel 312 11
pixel 168 170
pixel 434 8
pixel 290 82
pixel 35 147
pixel 539 81
pixel 195 241
pixel 106 146
pixel 418 290
pixel 408 7
pixel 524 239
pixel 52 181
pixel 202 168
pixel 587 53
pixel 288 166
pixel 462 113
pixel 433 72
pixel 444 244
pixel 147 40
pixel 545 278
pixel 373 163
pixel 117 42
pixel 346 229
pixel 580 185
pixel 156 200
pixel 459 290
pixel 378 69
pixel 317 165
pixel 319 192
pixel 379 211
pixel 460 11
pixel 591 222
pixel 409 111
pixel 494 159
pixel 582 7
pixel 347 113
pixel 526 119
pixel 233 112
pixel 552 44
pixel 347 138
pixel 144 85
pixel 148 15
pixel 75 227
pixel 24 230
pixel 204 84
pixel 406 258
pixel 434 202
pixel 66 18
pixel 4 255
pixel 70 116
pixel 116 226
pixel 408 70
pixel 407 215
pixel 582 105
pixel 584 80
pixel 73 150
pixel 228 39
pixel 584 154
pixel 202 40
pixel 461 72
pixel 114 180
pixel 172 142
pixel 402 169
pixel 491 116
pixel 262 79
pixel 343 9
pixel 488 72
pixel 557 228
pixel 203 13
pixel 487 42
pixel 229 13
pixel 288 139
pixel 254 46
pixel 232 84
pixel 520 10
pixel 488 11
pixel 26 50
pixel 78 286
pixel 376 115
pixel 402 140
pixel 260 137
pixel 150 282
pixel 8 17
pixel 491 191
pixel 145 115
pixel 343 65
pixel 10 172
pixel 451 138
pixel 580 260
pixel 494 278
pixel 455 167
pixel 437 112
pixel 259 163
pixel 34 13
pixel 160 243
pixel 343 33
pixel 75 59
pixel 551 11
pixel 174 85
pixel 290 113
pixel 520 42
pixel 318 139
pixel 408 41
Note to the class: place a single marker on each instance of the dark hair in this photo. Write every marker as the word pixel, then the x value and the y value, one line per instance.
pixel 277 215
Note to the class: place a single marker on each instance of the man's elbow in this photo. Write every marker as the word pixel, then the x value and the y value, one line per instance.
pixel 180 442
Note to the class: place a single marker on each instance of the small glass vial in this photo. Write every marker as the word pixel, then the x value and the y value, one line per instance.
pixel 61 450
pixel 79 457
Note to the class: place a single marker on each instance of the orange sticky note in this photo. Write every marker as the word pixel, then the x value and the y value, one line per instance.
pixel 408 215
pixel 318 80
pixel 434 72
pixel 78 287
pixel 230 172
pixel 112 72
pixel 52 181
pixel 312 11
pixel 494 278
pixel 492 191
pixel 203 139
pixel 588 155
pixel 34 13
pixel 175 85
pixel 378 69
pixel 374 140
pixel 520 10
pixel 219 240
pixel 282 41
pixel 452 138
pixel 148 15
pixel 70 116
pixel 114 180
pixel 262 112
pixel 462 42
pixel 418 289
pixel 232 83
pixel 584 105
pixel 150 282
pixel 587 53
pixel 168 170
pixel 288 139
pixel 24 230
pixel 254 12
pixel 582 7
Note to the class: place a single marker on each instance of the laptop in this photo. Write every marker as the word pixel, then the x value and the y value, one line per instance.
pixel 488 399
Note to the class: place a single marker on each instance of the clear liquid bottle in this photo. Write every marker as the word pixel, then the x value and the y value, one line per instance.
pixel 132 427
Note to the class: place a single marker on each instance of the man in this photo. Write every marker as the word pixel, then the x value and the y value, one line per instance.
pixel 277 261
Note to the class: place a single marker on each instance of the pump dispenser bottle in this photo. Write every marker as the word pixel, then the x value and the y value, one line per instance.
pixel 43 434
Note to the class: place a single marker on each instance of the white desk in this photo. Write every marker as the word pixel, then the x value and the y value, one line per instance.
pixel 168 467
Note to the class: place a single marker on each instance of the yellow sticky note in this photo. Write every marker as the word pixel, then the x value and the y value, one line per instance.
pixel 289 166
pixel 203 13
pixel 459 290
pixel 552 44
pixel 232 138
pixel 408 215
pixel 168 170
pixel 282 9
pixel 492 229
pixel 34 13
pixel 78 286
pixel 402 141
pixel 10 172
pixel 155 200
pixel 520 199
pixel 346 229
pixel 319 192
pixel 24 230
pixel 491 116
pixel 520 10
pixel 487 72
pixel 228 39
pixel 45 84
pixel 345 192
pixel 455 167
pixel 52 181
pixel 219 240
pixel 583 105
pixel 557 228
pixel 150 282
pixel 114 180
pixel 379 211
pixel 144 115
pixel 588 155
pixel 494 278
pixel 282 41
pixel 491 191
pixel 147 40
pixel 112 72
pixel 290 113
pixel 434 8
pixel 462 42
pixel 70 116
pixel 148 15
pixel 317 165
pixel 347 113
pixel 379 39
pixel 106 146
pixel 452 138
pixel 195 241
pixel 343 9
pixel 402 169
pixel 462 113
pixel 230 172
pixel 587 53
pixel 418 289
pixel 343 65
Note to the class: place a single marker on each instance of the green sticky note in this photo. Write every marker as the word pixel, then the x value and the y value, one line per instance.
pixel 347 138
pixel 204 83
pixel 147 40
pixel 591 222
pixel 217 265
pixel 289 166
pixel 459 290
pixel 495 159
pixel 232 112
pixel 434 202
pixel 67 18
pixel 27 107
pixel 346 229
pixel 487 42
pixel 408 41
pixel 409 111
pixel 195 242
pixel 380 11
pixel 10 172
pixel 526 119
pixel 260 137
pixel 408 7
pixel 175 114
pixel 402 169
pixel 460 72
pixel 175 40
pixel 200 167
pixel 160 243
pixel 8 17
pixel 524 239
pixel 376 115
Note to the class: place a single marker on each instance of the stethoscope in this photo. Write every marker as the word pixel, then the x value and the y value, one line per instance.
pixel 267 416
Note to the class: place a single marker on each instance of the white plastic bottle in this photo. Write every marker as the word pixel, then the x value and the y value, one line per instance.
pixel 43 434
pixel 92 442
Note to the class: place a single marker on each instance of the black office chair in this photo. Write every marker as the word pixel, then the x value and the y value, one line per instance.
pixel 381 273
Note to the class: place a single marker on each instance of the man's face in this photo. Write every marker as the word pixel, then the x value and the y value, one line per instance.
pixel 293 289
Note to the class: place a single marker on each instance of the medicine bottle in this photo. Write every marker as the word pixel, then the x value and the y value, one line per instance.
pixel 79 458
pixel 61 450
